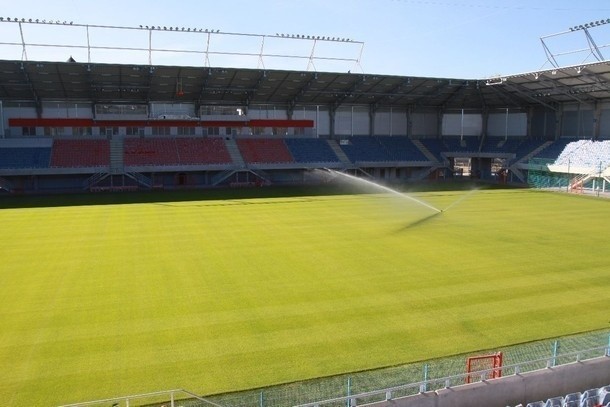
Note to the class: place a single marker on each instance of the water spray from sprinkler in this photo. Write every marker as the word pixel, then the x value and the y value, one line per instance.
pixel 383 187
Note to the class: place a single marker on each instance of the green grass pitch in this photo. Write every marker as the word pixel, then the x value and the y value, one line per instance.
pixel 218 295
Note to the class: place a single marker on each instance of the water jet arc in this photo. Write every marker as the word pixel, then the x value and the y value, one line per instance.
pixel 383 187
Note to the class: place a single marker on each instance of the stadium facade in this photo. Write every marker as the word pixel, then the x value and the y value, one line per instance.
pixel 70 126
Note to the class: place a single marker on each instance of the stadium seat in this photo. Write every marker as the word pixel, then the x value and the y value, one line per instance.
pixel 604 395
pixel 552 151
pixel 201 151
pixel 154 151
pixel 572 400
pixel 365 149
pixel 589 393
pixel 526 147
pixel 590 401
pixel 462 145
pixel 311 150
pixel 435 146
pixel 585 153
pixel 271 151
pixel 501 145
pixel 401 148
pixel 554 402
pixel 24 157
pixel 535 404
pixel 80 153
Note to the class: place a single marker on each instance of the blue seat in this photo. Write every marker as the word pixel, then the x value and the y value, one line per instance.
pixel 434 146
pixel 589 402
pixel 572 400
pixel 401 148
pixel 552 151
pixel 554 402
pixel 603 395
pixel 310 150
pixel 25 157
pixel 365 149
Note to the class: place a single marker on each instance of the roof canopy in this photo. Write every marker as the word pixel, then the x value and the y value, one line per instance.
pixel 116 83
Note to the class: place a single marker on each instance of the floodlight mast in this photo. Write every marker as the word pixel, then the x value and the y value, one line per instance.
pixel 593 49
pixel 206 51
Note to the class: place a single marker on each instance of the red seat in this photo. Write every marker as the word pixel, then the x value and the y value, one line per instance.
pixel 264 151
pixel 80 153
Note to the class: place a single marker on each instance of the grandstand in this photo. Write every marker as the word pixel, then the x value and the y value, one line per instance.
pixel 87 136
pixel 575 166
pixel 91 127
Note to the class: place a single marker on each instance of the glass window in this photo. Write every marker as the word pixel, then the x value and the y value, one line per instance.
pixel 134 131
pixel 53 131
pixel 28 131
pixel 186 131
pixel 161 131
pixel 81 131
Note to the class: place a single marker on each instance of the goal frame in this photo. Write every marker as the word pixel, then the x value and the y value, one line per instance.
pixel 473 364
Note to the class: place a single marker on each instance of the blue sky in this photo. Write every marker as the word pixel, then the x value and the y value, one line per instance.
pixel 437 38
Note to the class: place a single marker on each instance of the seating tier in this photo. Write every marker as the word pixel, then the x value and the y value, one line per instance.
pixel 80 153
pixel 270 151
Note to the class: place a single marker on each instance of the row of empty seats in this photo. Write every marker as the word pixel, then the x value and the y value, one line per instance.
pixel 402 149
pixel 86 153
pixel 202 151
pixel 586 153
pixel 589 398
pixel 25 157
pixel 80 153
pixel 155 151
pixel 306 150
pixel 179 151
pixel 365 149
pixel 552 151
pixel 472 145
pixel 257 151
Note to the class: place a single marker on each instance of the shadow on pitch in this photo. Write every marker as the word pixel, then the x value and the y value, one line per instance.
pixel 419 222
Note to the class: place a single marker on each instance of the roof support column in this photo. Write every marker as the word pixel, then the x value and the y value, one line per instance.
pixel 331 117
pixel 485 121
pixel 439 122
pixel 290 111
pixel 597 113
pixel 372 111
pixel 1 120
pixel 528 120
pixel 409 114
pixel 558 123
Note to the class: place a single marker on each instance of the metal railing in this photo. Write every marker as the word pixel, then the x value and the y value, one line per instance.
pixel 450 381
pixel 383 384
pixel 167 398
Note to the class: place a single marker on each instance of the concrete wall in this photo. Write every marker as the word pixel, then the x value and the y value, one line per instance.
pixel 512 390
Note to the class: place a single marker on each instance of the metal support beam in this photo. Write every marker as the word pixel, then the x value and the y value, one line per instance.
pixel 528 96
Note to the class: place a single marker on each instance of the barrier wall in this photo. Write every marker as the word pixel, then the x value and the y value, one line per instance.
pixel 512 390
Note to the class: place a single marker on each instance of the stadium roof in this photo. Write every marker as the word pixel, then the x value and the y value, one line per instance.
pixel 116 83
pixel 587 83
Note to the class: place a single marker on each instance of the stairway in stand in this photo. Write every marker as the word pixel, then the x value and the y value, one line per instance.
pixel 339 152
pixel 235 154
pixel 117 165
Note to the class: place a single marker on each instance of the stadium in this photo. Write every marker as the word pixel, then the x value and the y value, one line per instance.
pixel 219 236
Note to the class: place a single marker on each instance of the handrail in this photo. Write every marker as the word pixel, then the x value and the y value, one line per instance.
pixel 350 400
pixel 170 393
pixel 550 361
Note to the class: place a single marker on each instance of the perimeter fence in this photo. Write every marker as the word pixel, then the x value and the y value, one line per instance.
pixel 412 378
pixel 539 176
pixel 546 174
pixel 370 386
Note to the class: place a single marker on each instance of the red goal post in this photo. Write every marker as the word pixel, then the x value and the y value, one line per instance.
pixel 484 367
